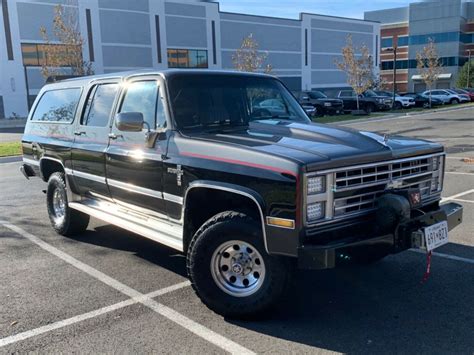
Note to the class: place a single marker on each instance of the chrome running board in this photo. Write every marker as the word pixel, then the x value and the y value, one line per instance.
pixel 164 232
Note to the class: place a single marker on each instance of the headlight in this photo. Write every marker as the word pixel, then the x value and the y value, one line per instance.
pixel 315 211
pixel 327 104
pixel 316 185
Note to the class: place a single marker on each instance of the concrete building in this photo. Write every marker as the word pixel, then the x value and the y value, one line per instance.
pixel 450 23
pixel 123 35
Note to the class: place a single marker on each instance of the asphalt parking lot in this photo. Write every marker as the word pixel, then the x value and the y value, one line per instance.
pixel 111 291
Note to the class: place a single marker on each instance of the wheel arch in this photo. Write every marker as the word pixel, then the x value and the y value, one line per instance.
pixel 48 166
pixel 248 200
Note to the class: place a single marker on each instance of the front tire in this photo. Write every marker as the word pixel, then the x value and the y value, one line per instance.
pixel 454 102
pixel 398 106
pixel 64 220
pixel 230 270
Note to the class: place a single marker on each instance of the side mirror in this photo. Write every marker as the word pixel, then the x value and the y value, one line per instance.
pixel 129 121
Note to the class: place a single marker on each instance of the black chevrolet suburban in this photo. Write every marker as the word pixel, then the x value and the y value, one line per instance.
pixel 192 160
pixel 322 104
pixel 369 101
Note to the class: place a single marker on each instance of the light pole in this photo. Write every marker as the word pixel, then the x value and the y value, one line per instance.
pixel 394 50
pixel 468 68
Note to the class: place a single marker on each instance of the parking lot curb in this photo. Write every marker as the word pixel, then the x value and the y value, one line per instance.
pixel 12 159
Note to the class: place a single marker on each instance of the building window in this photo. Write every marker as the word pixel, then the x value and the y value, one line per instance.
pixel 386 42
pixel 412 63
pixel 34 54
pixel 187 58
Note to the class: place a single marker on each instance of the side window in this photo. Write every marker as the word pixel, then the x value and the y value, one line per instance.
pixel 99 105
pixel 145 97
pixel 57 105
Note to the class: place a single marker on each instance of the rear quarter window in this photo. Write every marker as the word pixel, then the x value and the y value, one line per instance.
pixel 57 105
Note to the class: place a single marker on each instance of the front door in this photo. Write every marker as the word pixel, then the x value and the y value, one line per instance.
pixel 135 171
pixel 91 139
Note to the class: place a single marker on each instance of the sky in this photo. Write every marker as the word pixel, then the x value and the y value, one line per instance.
pixel 292 8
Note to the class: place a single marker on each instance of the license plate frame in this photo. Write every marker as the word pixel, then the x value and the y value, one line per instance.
pixel 436 235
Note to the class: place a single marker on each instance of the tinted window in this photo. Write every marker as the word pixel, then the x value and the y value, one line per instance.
pixel 57 105
pixel 99 105
pixel 347 94
pixel 317 95
pixel 230 100
pixel 142 96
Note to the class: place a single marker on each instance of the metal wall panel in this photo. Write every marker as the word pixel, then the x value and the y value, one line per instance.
pixel 186 32
pixel 133 5
pixel 124 27
pixel 271 38
pixel 172 8
pixel 127 57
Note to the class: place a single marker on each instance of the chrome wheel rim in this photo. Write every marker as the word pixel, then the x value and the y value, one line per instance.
pixel 237 268
pixel 59 206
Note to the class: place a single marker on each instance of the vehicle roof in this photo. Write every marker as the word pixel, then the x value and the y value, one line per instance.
pixel 167 73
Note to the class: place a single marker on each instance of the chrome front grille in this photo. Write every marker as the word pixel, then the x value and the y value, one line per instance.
pixel 353 191
pixel 356 189
pixel 385 173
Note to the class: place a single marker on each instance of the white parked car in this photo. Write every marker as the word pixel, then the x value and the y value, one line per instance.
pixel 446 96
pixel 400 101
pixel 404 102
pixel 464 97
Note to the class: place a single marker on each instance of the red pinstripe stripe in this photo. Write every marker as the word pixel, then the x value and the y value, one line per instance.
pixel 240 162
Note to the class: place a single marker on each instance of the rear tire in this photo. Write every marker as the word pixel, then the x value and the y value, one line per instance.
pixel 369 108
pixel 64 219
pixel 230 269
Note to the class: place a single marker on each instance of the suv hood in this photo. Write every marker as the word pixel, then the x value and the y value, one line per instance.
pixel 321 146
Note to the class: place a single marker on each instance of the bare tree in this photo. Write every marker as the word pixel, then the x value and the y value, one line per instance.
pixel 64 49
pixel 429 65
pixel 380 83
pixel 358 65
pixel 248 58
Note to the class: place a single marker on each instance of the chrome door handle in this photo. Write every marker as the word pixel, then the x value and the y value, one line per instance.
pixel 115 136
pixel 79 133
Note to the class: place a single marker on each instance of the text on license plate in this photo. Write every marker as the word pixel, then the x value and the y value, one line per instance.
pixel 436 235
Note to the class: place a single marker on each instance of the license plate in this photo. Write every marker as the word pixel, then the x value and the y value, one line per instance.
pixel 436 235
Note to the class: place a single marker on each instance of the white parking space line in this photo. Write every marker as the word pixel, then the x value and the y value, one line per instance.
pixel 461 200
pixel 82 317
pixel 458 173
pixel 446 256
pixel 454 197
pixel 174 316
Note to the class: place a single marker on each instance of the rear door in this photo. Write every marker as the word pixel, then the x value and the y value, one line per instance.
pixel 91 138
pixel 135 171
pixel 349 99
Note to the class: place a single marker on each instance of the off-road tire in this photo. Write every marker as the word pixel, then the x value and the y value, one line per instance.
pixel 74 222
pixel 228 226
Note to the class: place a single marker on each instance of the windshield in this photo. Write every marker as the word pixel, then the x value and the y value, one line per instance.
pixel 217 100
pixel 317 95
pixel 370 93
